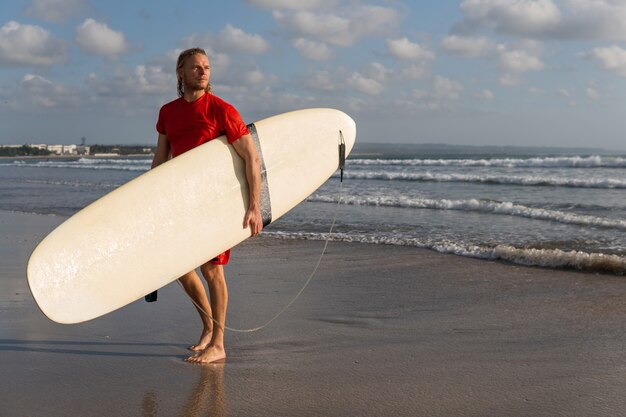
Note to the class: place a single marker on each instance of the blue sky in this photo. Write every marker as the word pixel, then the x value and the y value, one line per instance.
pixel 471 72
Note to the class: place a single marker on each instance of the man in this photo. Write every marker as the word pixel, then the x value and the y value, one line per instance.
pixel 196 117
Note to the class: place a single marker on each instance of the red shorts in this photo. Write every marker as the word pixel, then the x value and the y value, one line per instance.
pixel 221 259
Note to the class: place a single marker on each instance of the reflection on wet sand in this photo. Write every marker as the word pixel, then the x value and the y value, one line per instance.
pixel 207 398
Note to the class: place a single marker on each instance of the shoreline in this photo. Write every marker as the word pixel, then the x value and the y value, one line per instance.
pixel 594 263
pixel 381 330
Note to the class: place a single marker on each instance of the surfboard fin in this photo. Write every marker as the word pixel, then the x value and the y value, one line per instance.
pixel 152 297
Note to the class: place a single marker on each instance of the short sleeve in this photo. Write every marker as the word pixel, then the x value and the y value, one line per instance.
pixel 160 126
pixel 233 124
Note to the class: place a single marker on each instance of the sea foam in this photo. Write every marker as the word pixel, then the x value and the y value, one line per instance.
pixel 550 258
pixel 593 161
pixel 475 205
pixel 523 180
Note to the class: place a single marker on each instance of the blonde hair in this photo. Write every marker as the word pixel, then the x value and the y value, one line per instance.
pixel 181 62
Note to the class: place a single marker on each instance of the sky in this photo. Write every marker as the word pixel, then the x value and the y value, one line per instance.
pixel 465 72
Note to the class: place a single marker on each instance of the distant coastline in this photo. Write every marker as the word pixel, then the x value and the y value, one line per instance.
pixel 55 156
pixel 74 151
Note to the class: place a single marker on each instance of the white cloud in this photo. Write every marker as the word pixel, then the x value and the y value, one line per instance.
pixel 371 80
pixel 519 17
pixel 365 85
pixel 38 88
pixel 56 10
pixel 593 93
pixel 232 38
pixel 406 50
pixel 443 92
pixel 243 76
pixel 379 72
pixel 154 80
pixel 415 71
pixel 421 94
pixel 446 89
pixel 592 90
pixel 510 80
pixel 568 96
pixel 131 83
pixel 564 92
pixel 612 58
pixel 29 45
pixel 317 51
pixel 254 77
pixel 343 28
pixel 485 95
pixel 229 40
pixel 415 55
pixel 321 80
pixel 97 38
pixel 518 60
pixel 130 90
pixel 547 19
pixel 594 20
pixel 512 59
pixel 291 4
pixel 467 45
pixel 35 92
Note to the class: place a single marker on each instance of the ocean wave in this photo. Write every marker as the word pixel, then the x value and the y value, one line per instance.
pixel 113 161
pixel 547 258
pixel 75 184
pixel 475 205
pixel 528 180
pixel 594 161
pixel 88 163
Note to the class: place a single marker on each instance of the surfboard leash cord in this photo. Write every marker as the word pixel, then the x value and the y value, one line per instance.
pixel 306 284
pixel 342 160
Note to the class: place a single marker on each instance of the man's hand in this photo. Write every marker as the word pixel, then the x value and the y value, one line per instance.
pixel 254 220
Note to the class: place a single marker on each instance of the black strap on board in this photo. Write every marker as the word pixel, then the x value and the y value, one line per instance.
pixel 266 204
pixel 342 154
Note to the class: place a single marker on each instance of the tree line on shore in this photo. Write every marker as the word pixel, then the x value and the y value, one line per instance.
pixel 23 150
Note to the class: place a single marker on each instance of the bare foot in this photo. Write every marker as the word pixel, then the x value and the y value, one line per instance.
pixel 211 354
pixel 205 338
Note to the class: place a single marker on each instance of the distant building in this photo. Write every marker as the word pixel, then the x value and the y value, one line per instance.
pixel 63 149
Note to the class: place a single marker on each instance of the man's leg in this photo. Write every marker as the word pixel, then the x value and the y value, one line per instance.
pixel 193 287
pixel 214 275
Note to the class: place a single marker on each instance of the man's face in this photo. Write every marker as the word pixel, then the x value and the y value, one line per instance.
pixel 195 73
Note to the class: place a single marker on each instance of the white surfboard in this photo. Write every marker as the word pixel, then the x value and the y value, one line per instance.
pixel 170 220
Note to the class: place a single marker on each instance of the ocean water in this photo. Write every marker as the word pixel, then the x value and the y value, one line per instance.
pixel 553 209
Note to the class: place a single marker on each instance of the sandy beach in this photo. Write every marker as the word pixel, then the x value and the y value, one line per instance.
pixel 380 331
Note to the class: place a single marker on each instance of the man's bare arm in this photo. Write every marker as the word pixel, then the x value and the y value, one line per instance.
pixel 162 153
pixel 246 150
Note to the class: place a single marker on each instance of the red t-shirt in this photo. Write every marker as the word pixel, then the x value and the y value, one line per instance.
pixel 188 125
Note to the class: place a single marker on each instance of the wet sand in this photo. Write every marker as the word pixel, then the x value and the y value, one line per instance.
pixel 380 331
